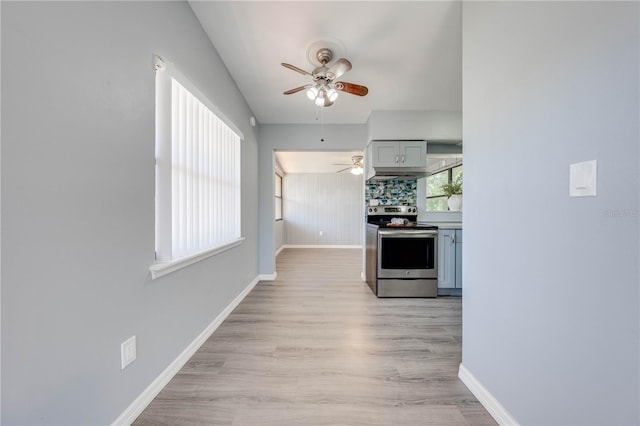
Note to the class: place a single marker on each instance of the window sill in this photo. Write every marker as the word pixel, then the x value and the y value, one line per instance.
pixel 159 269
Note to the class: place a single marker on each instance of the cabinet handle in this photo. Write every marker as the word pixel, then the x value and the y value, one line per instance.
pixel 402 157
pixel 453 238
pixel 397 158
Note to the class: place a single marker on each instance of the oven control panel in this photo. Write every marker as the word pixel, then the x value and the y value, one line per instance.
pixel 393 210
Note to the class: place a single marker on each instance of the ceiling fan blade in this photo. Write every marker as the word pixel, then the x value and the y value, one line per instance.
pixel 354 89
pixel 296 69
pixel 344 170
pixel 296 90
pixel 340 67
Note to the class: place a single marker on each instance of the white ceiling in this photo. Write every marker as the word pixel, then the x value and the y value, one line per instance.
pixel 409 54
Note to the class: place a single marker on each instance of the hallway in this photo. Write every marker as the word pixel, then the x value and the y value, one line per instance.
pixel 317 347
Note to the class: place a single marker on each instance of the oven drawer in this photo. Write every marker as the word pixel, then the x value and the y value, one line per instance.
pixel 407 288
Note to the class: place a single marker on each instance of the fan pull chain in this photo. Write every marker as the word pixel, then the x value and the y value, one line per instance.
pixel 321 123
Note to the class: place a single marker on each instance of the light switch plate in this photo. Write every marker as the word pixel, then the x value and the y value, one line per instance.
pixel 583 178
pixel 127 352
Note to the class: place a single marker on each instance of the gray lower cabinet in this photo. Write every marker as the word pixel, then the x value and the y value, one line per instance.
pixel 450 261
pixel 458 258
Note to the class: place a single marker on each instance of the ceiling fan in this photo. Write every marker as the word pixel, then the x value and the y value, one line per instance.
pixel 324 90
pixel 357 168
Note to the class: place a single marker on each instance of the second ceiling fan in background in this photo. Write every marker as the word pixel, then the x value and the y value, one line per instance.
pixel 357 168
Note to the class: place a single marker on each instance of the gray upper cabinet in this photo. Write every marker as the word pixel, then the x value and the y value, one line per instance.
pixel 398 153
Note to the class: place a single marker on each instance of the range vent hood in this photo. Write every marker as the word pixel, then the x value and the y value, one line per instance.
pixel 387 173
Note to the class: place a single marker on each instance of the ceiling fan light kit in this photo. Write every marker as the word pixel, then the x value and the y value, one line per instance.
pixel 322 95
pixel 324 91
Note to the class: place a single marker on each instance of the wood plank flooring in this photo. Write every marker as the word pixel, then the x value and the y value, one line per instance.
pixel 316 347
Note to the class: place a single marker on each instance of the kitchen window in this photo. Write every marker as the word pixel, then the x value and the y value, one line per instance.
pixel 198 182
pixel 436 198
pixel 278 197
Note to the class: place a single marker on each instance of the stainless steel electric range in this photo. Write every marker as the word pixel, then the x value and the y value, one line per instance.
pixel 401 253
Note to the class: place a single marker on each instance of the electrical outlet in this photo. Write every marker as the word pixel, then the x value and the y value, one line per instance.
pixel 321 233
pixel 128 352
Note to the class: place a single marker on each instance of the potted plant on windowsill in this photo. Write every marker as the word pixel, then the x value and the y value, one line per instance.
pixel 454 191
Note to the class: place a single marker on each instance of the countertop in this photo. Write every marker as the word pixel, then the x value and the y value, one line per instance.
pixel 440 225
pixel 448 225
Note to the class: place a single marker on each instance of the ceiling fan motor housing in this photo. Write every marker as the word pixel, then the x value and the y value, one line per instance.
pixel 324 55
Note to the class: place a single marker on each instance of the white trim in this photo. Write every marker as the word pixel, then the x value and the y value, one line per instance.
pixel 497 411
pixel 268 277
pixel 279 250
pixel 322 246
pixel 144 399
pixel 159 269
pixel 363 277
pixel 173 71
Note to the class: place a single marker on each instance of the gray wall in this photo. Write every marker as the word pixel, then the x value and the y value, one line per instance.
pixel 294 137
pixel 428 125
pixel 320 202
pixel 551 283
pixel 78 206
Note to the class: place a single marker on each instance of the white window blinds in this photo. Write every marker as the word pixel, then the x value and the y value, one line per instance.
pixel 205 178
pixel 198 185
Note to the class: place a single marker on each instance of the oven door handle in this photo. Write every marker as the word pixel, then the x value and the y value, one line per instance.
pixel 406 232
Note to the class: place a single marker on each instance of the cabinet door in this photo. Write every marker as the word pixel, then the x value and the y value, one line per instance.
pixel 446 258
pixel 458 258
pixel 385 154
pixel 413 154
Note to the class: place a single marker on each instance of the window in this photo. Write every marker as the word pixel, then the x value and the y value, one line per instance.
pixel 197 177
pixel 436 198
pixel 278 198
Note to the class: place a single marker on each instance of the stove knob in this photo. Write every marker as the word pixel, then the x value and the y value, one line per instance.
pixel 370 209
pixel 375 209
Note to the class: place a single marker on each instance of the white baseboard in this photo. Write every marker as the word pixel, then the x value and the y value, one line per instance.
pixel 144 399
pixel 279 250
pixel 363 277
pixel 497 411
pixel 328 246
pixel 268 277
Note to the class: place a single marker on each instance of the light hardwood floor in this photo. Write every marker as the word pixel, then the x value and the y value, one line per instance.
pixel 316 347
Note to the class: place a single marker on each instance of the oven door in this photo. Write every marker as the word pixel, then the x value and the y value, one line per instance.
pixel 407 254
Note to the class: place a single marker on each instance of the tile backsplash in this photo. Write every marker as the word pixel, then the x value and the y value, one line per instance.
pixel 394 192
